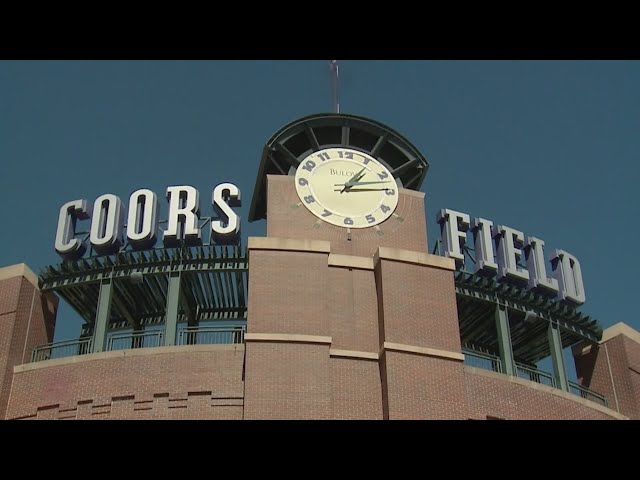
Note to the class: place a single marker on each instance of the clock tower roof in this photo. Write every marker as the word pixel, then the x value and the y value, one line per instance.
pixel 288 146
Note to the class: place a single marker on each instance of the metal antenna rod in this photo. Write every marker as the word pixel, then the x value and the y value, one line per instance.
pixel 333 68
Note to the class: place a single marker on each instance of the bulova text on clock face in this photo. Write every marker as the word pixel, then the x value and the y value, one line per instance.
pixel 346 187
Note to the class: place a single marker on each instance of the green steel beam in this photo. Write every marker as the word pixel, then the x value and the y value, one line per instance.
pixel 102 315
pixel 173 301
pixel 504 340
pixel 82 272
pixel 490 297
pixel 555 343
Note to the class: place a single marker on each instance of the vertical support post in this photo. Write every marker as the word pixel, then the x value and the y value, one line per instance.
pixel 173 300
pixel 504 340
pixel 555 344
pixel 102 315
pixel 138 342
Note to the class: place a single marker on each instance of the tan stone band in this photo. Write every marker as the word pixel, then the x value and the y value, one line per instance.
pixel 418 258
pixel 334 352
pixel 284 337
pixel 350 261
pixel 429 352
pixel 289 244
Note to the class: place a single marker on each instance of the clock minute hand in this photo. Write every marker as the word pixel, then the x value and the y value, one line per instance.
pixel 368 183
pixel 361 183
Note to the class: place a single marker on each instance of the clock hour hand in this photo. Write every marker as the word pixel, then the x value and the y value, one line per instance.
pixel 365 189
pixel 354 179
pixel 357 176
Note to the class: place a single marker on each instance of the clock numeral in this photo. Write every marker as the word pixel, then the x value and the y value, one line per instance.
pixel 323 156
pixel 383 175
pixel 309 165
pixel 348 221
pixel 390 191
pixel 370 218
pixel 326 213
pixel 384 208
pixel 309 199
pixel 303 182
pixel 366 160
pixel 348 155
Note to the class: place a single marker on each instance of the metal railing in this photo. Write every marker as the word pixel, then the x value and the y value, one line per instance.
pixel 68 348
pixel 535 375
pixel 587 394
pixel 482 360
pixel 125 341
pixel 211 335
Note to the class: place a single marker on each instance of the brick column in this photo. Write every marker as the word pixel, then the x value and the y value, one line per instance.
pixel 612 368
pixel 287 371
pixel 421 359
pixel 27 319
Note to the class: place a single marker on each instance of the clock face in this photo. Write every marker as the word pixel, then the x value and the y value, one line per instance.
pixel 346 187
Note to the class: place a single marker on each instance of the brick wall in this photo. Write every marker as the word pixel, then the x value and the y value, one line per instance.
pixel 424 388
pixel 419 306
pixel 287 380
pixel 352 308
pixel 356 389
pixel 287 292
pixel 203 382
pixel 495 395
pixel 26 320
pixel 612 369
pixel 632 349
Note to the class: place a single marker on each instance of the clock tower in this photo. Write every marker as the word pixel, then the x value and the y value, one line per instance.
pixel 349 316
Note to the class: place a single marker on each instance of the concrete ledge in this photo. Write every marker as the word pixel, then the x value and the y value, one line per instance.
pixel 19 270
pixel 334 352
pixel 418 258
pixel 429 352
pixel 289 244
pixel 620 329
pixel 411 193
pixel 350 261
pixel 544 388
pixel 134 352
pixel 285 337
pixel 581 349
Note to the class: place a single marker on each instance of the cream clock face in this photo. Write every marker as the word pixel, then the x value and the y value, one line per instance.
pixel 346 187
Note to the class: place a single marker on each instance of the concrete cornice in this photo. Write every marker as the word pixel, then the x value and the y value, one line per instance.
pixel 285 338
pixel 288 244
pixel 335 352
pixel 428 352
pixel 19 270
pixel 135 352
pixel 620 329
pixel 411 193
pixel 350 261
pixel 418 258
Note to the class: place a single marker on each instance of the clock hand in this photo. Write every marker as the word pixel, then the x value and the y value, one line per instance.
pixel 361 183
pixel 354 179
pixel 363 189
pixel 357 176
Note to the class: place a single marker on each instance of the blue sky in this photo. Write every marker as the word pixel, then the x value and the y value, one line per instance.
pixel 546 147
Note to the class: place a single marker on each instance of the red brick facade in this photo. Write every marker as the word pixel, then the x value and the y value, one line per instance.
pixel 160 383
pixel 341 325
pixel 613 368
pixel 27 319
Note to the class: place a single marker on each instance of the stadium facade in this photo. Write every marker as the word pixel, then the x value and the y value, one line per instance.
pixel 342 311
